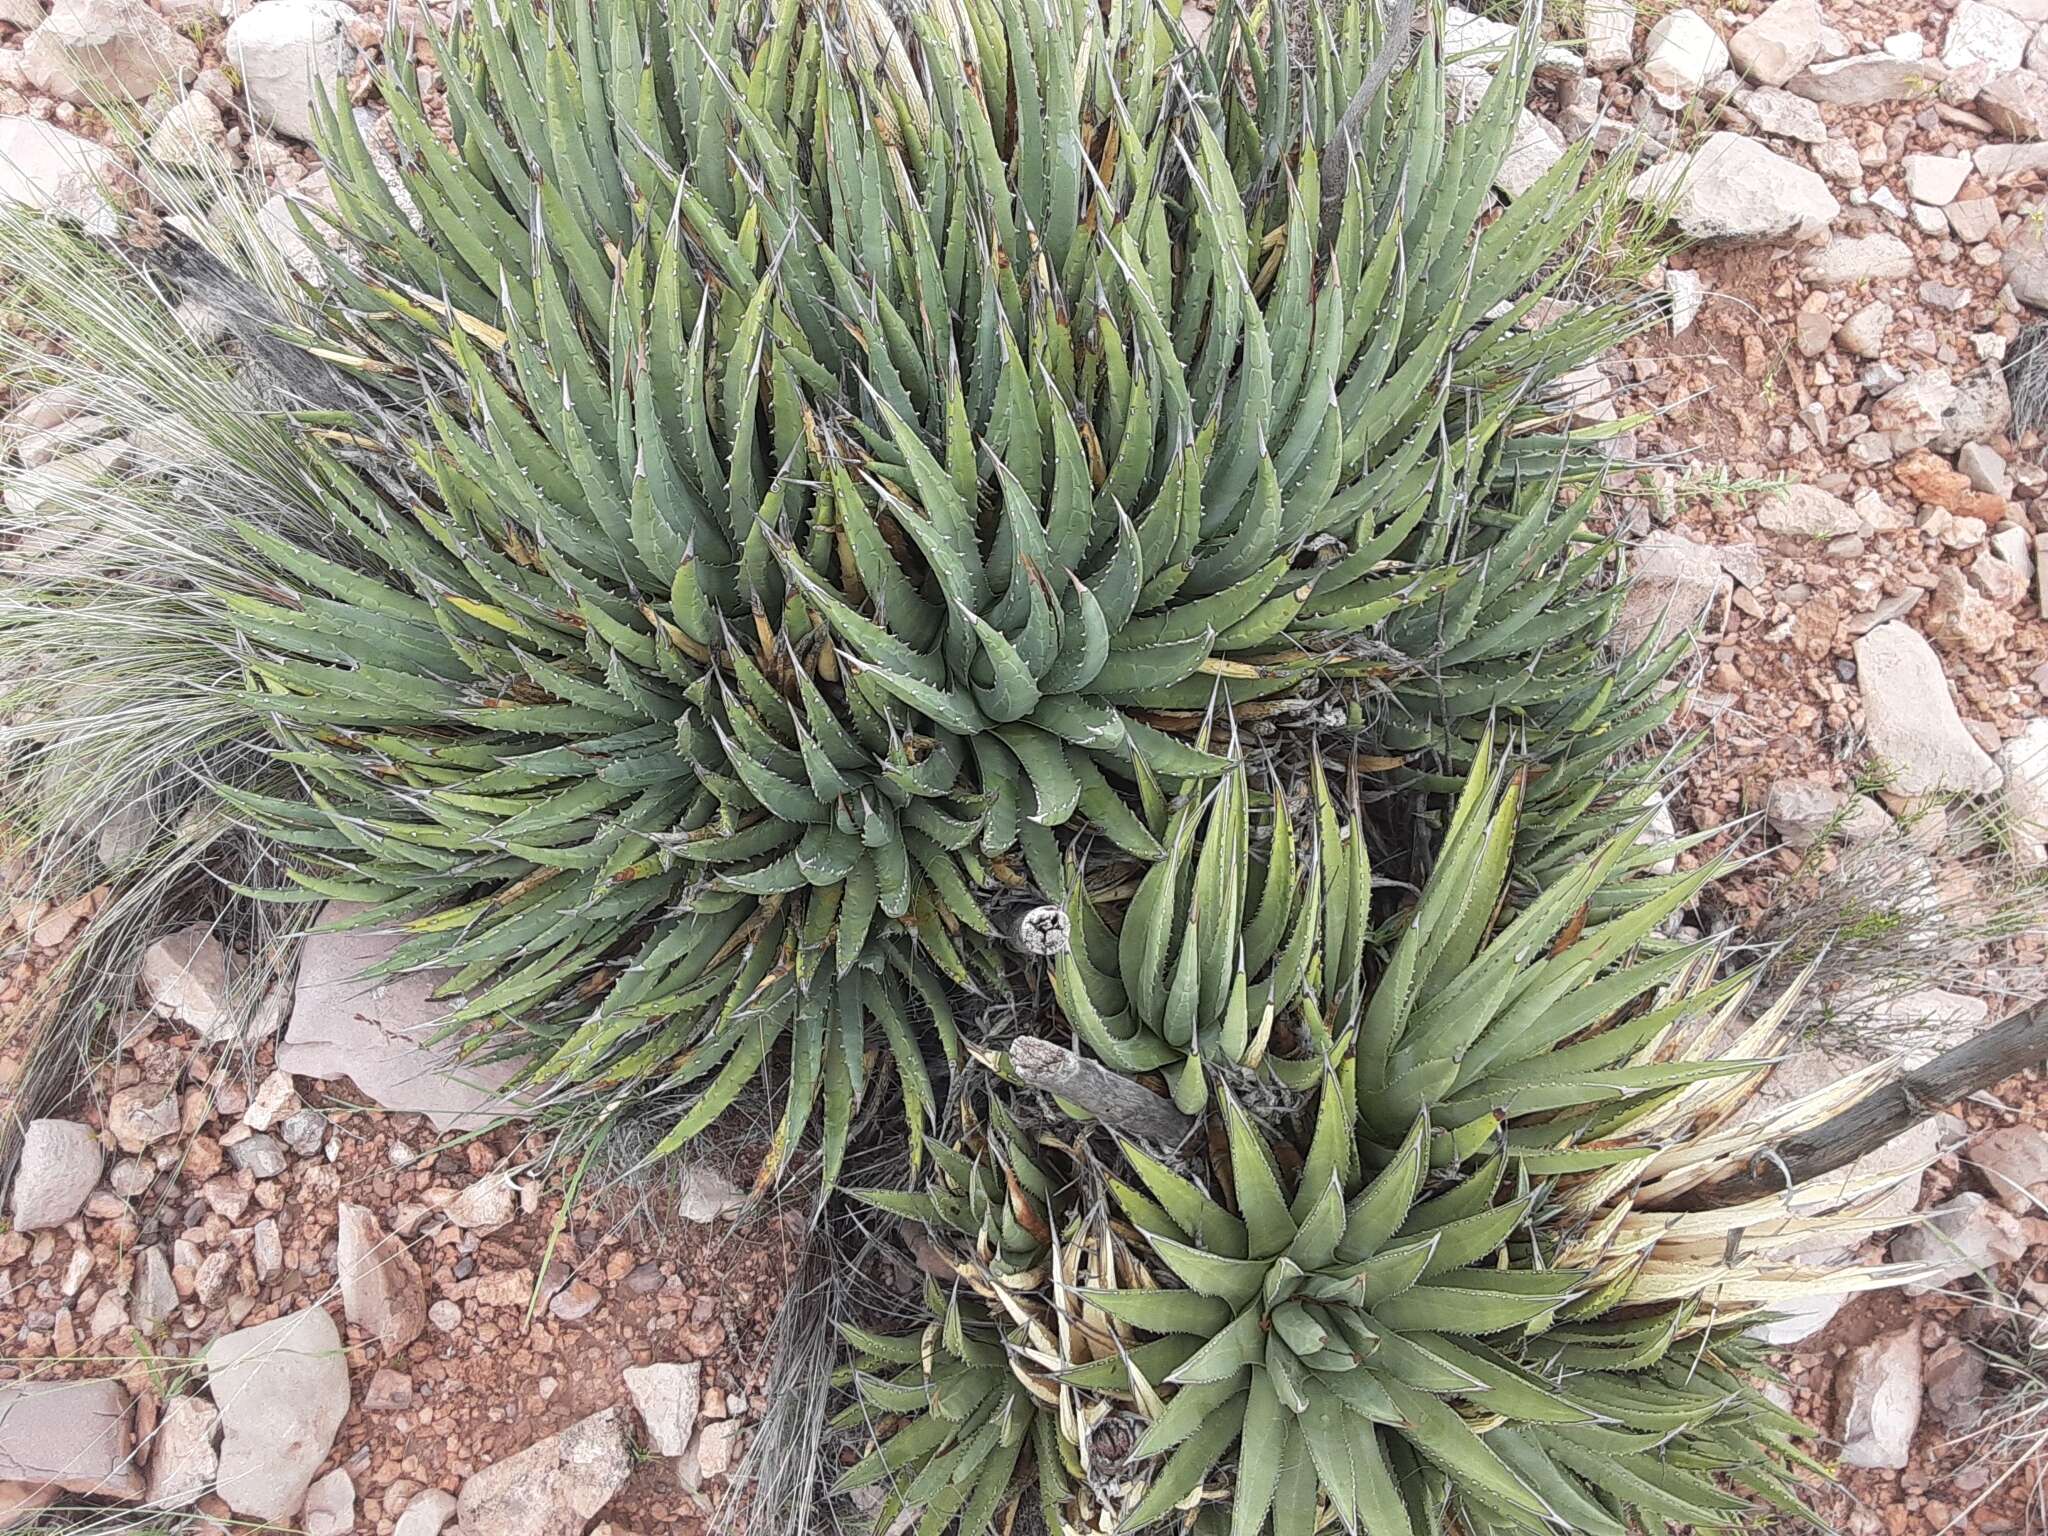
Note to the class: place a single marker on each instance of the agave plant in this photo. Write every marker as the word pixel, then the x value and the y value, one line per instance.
pixel 970 1395
pixel 1472 1010
pixel 1377 1347
pixel 822 463
pixel 1218 942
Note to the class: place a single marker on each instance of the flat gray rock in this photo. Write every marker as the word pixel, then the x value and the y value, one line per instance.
pixel 1878 1389
pixel 1914 728
pixel 554 1487
pixel 60 1164
pixel 73 1434
pixel 286 50
pixel 282 1391
pixel 183 1465
pixel 1867 80
pixel 384 1033
pixel 1734 191
pixel 43 167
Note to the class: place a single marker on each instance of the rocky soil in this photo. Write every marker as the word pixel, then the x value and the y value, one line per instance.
pixel 294 1275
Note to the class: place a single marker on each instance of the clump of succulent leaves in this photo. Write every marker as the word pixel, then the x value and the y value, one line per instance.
pixel 793 482
pixel 851 459
pixel 1221 940
pixel 1442 1282
pixel 1351 1335
pixel 1196 965
pixel 957 1406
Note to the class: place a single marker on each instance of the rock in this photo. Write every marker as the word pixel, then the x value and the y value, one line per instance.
pixel 382 1291
pixel 554 1487
pixel 1961 619
pixel 304 1132
pixel 2000 163
pixel 1878 1391
pixel 488 1204
pixel 1965 1236
pixel 330 1507
pixel 1921 1023
pixel 2003 583
pixel 43 167
pixel 381 1032
pixel 1477 41
pixel 504 1288
pixel 1783 115
pixel 666 1396
pixel 181 1467
pixel 262 1156
pixel 277 222
pixel 273 1098
pixel 1812 332
pixel 60 1165
pixel 575 1301
pixel 715 1448
pixel 285 50
pixel 2025 264
pixel 427 1512
pixel 1983 34
pixel 1807 512
pixel 1803 811
pixel 1673 582
pixel 1779 43
pixel 2014 1165
pixel 703 1194
pixel 93 49
pixel 2016 103
pixel 1935 483
pixel 1535 148
pixel 1681 54
pixel 1867 80
pixel 190 135
pixel 155 1296
pixel 1916 411
pixel 1952 1382
pixel 1913 726
pixel 224 1193
pixel 389 1391
pixel 1863 333
pixel 1610 28
pixel 141 1115
pixel 1732 190
pixel 1936 179
pixel 1980 409
pixel 1858 259
pixel 1838 161
pixel 1799 1318
pixel 2024 762
pixel 1982 466
pixel 1687 292
pixel 215 1274
pixel 74 1435
pixel 267 1250
pixel 282 1391
pixel 185 980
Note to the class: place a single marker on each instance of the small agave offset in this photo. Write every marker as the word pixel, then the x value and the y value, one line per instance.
pixel 767 491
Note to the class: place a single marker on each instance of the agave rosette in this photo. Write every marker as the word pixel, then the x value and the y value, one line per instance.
pixel 1377 1346
pixel 1221 940
pixel 961 1408
pixel 846 456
